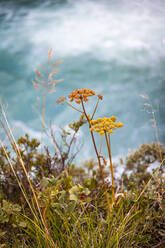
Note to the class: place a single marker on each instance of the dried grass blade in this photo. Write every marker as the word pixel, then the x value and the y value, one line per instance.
pixel 35 84
pixel 50 54
pixel 52 73
pixel 52 90
pixel 38 80
pixel 38 73
pixel 56 81
pixel 57 63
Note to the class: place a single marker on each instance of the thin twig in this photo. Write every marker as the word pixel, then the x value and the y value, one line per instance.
pixel 73 107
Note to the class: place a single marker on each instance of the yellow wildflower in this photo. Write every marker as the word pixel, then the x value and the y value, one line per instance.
pixel 119 124
pixel 105 124
pixel 101 133
pixel 113 118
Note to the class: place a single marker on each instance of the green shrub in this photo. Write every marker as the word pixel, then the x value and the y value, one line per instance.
pixel 73 203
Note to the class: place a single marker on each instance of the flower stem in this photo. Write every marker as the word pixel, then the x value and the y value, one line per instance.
pixel 73 107
pixel 98 158
pixel 95 109
pixel 111 167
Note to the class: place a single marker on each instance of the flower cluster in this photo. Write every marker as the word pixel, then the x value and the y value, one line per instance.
pixel 80 95
pixel 105 124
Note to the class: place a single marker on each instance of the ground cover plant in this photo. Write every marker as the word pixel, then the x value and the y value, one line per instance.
pixel 48 201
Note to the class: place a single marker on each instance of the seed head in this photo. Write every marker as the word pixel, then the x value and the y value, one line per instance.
pixel 100 96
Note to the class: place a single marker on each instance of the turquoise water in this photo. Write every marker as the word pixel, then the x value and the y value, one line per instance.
pixel 116 48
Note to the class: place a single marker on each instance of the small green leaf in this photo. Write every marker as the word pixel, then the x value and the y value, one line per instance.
pixel 74 190
pixel 56 205
pixel 71 206
pixel 62 197
pixel 22 224
pixel 44 182
pixel 2 233
pixel 73 197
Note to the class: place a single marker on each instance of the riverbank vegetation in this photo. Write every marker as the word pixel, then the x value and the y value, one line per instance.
pixel 48 201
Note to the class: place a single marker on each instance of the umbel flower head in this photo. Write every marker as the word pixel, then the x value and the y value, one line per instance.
pixel 80 95
pixel 105 124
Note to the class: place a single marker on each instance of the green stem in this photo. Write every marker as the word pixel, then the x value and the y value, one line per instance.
pixel 98 158
pixel 111 166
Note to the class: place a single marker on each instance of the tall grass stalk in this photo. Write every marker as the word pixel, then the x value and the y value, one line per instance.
pixel 45 83
pixel 17 178
pixel 15 148
pixel 150 109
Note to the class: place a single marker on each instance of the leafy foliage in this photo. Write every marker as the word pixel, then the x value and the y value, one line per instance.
pixel 138 164
pixel 73 202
